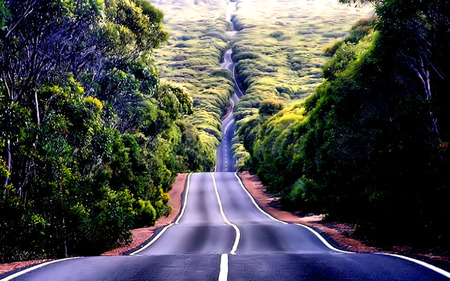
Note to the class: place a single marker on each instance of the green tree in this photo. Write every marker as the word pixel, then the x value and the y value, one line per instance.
pixel 372 145
pixel 89 136
pixel 3 14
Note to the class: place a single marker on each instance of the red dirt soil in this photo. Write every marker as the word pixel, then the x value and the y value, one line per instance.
pixel 6 267
pixel 339 232
pixel 140 235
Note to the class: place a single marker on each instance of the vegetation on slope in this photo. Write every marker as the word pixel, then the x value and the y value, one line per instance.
pixel 281 58
pixel 371 145
pixel 90 138
pixel 192 58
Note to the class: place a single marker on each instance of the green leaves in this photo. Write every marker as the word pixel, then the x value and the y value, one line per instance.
pixel 90 140
pixel 135 22
pixel 146 214
pixel 367 146
pixel 4 14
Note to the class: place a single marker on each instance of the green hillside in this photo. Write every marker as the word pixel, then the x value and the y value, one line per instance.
pixel 192 57
pixel 371 144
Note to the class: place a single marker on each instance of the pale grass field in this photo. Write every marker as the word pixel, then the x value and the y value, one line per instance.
pixel 279 52
pixel 286 39
pixel 290 36
pixel 192 58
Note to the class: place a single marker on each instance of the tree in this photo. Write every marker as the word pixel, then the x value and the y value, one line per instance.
pixel 372 145
pixel 89 136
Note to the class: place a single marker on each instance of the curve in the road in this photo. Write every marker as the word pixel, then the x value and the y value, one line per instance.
pixel 238 232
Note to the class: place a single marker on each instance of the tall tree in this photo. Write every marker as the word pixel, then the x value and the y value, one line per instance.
pixel 372 143
pixel 89 135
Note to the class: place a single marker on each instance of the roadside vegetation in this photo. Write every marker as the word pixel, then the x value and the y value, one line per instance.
pixel 192 58
pixel 90 138
pixel 282 58
pixel 370 145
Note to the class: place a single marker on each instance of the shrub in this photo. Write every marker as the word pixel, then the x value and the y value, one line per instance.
pixel 145 214
pixel 269 107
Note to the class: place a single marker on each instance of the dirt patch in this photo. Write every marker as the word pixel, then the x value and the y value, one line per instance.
pixel 139 235
pixel 7 267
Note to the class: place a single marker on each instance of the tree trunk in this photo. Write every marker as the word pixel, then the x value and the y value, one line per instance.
pixel 9 164
pixel 38 118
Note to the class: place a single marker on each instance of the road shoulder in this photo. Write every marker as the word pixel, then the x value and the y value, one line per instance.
pixel 268 204
pixel 142 235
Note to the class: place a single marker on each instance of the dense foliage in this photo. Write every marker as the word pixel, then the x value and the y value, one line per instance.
pixel 192 56
pixel 282 59
pixel 371 145
pixel 90 139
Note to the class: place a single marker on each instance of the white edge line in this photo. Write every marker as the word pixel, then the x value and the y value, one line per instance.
pixel 228 117
pixel 167 227
pixel 235 81
pixel 226 128
pixel 422 263
pixel 254 202
pixel 223 275
pixel 17 274
pixel 238 232
pixel 185 198
pixel 307 227
pixel 152 241
pixel 232 102
pixel 325 242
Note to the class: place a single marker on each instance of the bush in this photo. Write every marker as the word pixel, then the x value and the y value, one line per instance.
pixel 269 107
pixel 145 214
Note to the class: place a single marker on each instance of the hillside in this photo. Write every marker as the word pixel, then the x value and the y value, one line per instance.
pixel 192 57
pixel 371 144
pixel 279 53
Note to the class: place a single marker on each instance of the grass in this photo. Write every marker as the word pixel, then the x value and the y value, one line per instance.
pixel 279 54
pixel 279 49
pixel 192 59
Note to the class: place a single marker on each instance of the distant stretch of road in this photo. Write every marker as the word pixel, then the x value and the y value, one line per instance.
pixel 225 159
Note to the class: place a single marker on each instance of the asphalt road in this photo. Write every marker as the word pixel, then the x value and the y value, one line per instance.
pixel 225 159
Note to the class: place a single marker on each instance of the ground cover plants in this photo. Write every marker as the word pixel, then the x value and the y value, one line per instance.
pixel 371 144
pixel 279 53
pixel 192 57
